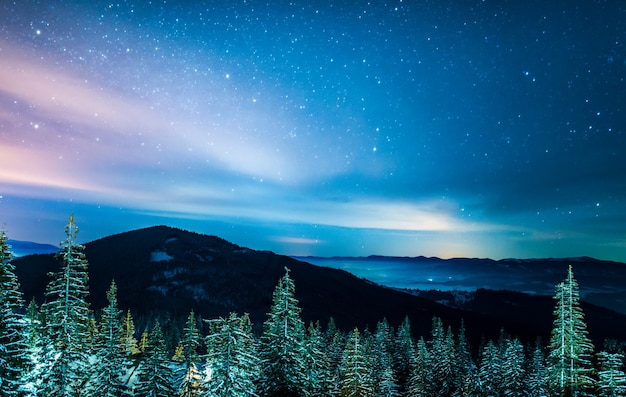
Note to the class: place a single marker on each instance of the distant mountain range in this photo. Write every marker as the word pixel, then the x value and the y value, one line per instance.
pixel 22 248
pixel 162 270
pixel 601 282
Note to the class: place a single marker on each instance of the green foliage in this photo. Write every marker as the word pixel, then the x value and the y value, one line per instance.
pixel 490 371
pixel 442 352
pixel 513 371
pixel 611 378
pixel 356 380
pixel 283 347
pixel 420 383
pixel 75 356
pixel 110 365
pixel 127 339
pixel 232 363
pixel 189 378
pixel 403 353
pixel 385 382
pixel 67 319
pixel 155 372
pixel 570 370
pixel 536 382
pixel 13 347
pixel 319 379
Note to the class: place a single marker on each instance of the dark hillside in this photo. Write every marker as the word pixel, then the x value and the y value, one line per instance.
pixel 165 270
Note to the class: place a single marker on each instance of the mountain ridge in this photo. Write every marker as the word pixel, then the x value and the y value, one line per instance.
pixel 168 270
pixel 23 248
pixel 601 282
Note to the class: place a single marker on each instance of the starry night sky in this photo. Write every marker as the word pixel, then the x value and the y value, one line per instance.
pixel 402 127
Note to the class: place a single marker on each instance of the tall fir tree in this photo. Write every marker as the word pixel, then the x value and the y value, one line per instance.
pixel 356 379
pixel 231 360
pixel 490 371
pixel 283 347
pixel 536 381
pixel 611 378
pixel 111 362
pixel 319 378
pixel 442 350
pixel 66 314
pixel 189 377
pixel 403 354
pixel 385 382
pixel 14 359
pixel 155 374
pixel 464 366
pixel 421 380
pixel 128 340
pixel 570 370
pixel 33 320
pixel 334 341
pixel 513 368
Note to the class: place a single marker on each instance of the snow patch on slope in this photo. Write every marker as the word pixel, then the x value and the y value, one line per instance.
pixel 160 256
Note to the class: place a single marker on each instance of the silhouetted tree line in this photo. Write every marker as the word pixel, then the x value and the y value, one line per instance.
pixel 60 349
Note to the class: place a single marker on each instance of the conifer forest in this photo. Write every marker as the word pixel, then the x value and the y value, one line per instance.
pixel 62 348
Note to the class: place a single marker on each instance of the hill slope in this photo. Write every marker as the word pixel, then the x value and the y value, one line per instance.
pixel 162 269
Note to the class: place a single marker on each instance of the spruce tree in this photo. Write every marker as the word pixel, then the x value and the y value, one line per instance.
pixel 189 377
pixel 611 378
pixel 464 366
pixel 403 354
pixel 385 382
pixel 14 360
pixel 283 348
pixel 155 374
pixel 334 341
pixel 232 362
pixel 513 368
pixel 319 378
pixel 356 380
pixel 536 382
pixel 66 315
pixel 490 371
pixel 128 340
pixel 570 371
pixel 421 382
pixel 442 350
pixel 111 363
pixel 33 320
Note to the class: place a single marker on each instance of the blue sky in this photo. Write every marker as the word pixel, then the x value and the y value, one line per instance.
pixel 478 128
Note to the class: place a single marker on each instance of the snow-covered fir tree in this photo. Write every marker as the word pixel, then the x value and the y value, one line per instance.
pixel 14 359
pixel 570 370
pixel 465 372
pixel 385 382
pixel 189 374
pixel 283 347
pixel 32 317
pixel 421 379
pixel 318 375
pixel 231 360
pixel 611 378
pixel 536 381
pixel 442 350
pixel 403 354
pixel 334 342
pixel 111 363
pixel 67 318
pixel 490 371
pixel 128 340
pixel 155 373
pixel 356 379
pixel 513 371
